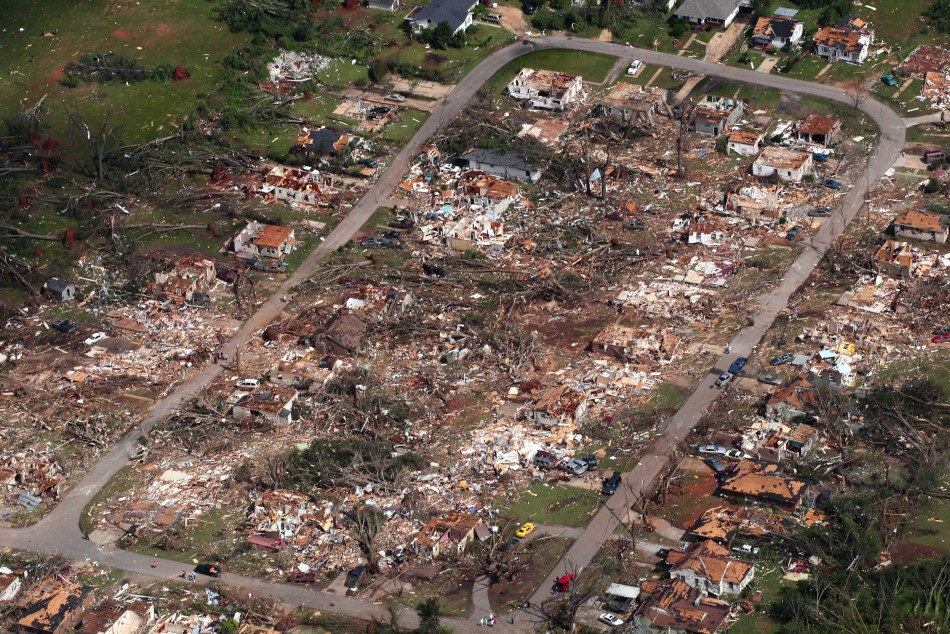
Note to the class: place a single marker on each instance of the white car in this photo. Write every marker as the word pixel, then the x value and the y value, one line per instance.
pixel 95 337
pixel 610 619
pixel 635 67
pixel 248 383
pixel 735 454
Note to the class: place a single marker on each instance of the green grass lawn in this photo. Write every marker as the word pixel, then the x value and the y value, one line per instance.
pixel 651 32
pixel 593 67
pixel 457 62
pixel 556 504
pixel 340 73
pixel 401 132
pixel 168 32
pixel 931 526
pixel 202 541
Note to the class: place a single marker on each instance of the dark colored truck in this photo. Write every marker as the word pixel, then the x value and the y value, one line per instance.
pixel 611 483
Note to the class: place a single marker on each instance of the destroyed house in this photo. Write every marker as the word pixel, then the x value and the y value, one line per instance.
pixel 776 31
pixel 632 103
pixel 789 165
pixel 343 337
pixel 711 12
pixel 451 532
pixel 546 89
pixel 845 45
pixel 818 129
pixel 921 225
pixel 504 164
pixel 456 13
pixel 895 253
pixel 753 481
pixel 674 607
pixel 325 142
pixel 258 239
pixel 59 289
pixel 296 185
pixel 794 398
pixel 114 617
pixel 559 406
pixel 710 568
pixel 744 143
pixel 298 369
pixel 10 584
pixel 723 523
pixel 630 344
pixel 274 404
pixel 190 275
pixel 54 607
pixel 754 203
pixel 716 115
pixel 790 446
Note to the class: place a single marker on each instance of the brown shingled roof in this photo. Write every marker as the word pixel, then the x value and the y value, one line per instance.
pixel 923 220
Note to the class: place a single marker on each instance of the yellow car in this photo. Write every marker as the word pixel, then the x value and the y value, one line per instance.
pixel 525 530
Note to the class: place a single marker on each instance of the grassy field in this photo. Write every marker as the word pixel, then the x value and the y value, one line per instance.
pixel 162 32
pixel 593 67
pixel 556 504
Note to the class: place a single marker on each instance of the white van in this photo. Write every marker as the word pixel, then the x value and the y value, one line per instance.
pixel 493 17
pixel 248 383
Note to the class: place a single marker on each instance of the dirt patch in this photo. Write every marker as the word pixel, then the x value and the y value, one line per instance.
pixel 904 553
pixel 162 29
pixel 605 36
pixel 695 497
pixel 512 19
pixel 570 333
pixel 121 34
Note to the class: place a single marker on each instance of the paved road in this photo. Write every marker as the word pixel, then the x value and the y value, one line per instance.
pixel 58 532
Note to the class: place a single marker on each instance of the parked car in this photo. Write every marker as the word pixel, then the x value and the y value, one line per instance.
pixel 209 570
pixel 820 212
pixel 388 243
pixel 712 449
pixel 368 162
pixel 563 584
pixel 770 379
pixel 402 223
pixel 792 233
pixel 591 461
pixel 248 383
pixel 353 578
pixel 576 467
pixel 715 464
pixel 735 454
pixel 493 17
pixel 831 183
pixel 64 326
pixel 944 338
pixel 821 157
pixel 610 619
pixel 302 577
pixel 635 67
pixel 634 225
pixel 610 484
pixel 785 358
pixel 526 529
pixel 94 338
pixel 545 459
pixel 394 96
pixel 724 378
pixel 888 80
pixel 391 235
pixel 737 365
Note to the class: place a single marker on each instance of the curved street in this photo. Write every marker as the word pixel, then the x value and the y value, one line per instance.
pixel 59 531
